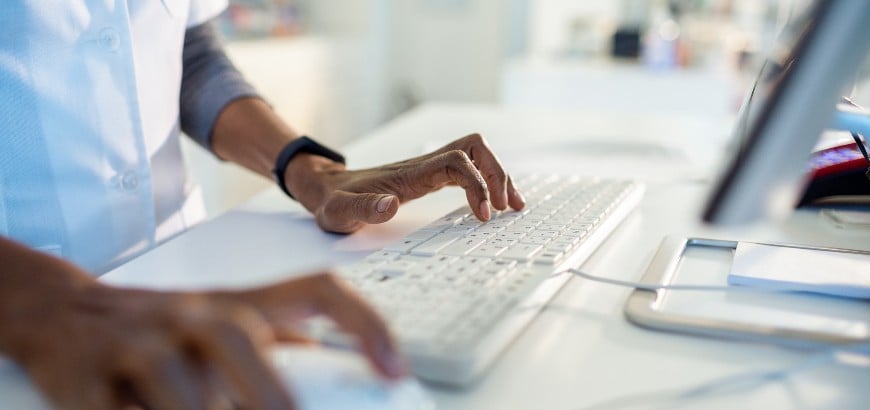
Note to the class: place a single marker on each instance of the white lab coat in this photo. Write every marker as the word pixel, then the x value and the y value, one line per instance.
pixel 90 163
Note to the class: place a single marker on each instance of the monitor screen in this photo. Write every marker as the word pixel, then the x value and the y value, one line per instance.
pixel 799 84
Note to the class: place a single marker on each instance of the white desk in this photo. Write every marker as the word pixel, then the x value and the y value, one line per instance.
pixel 580 350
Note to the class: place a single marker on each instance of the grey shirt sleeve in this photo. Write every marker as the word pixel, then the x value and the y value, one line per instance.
pixel 209 82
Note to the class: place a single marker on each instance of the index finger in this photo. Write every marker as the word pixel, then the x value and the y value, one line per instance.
pixel 455 167
pixel 502 191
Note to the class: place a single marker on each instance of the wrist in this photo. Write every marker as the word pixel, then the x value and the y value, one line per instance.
pixel 303 168
pixel 307 177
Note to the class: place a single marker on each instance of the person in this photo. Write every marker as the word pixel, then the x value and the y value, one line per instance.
pixel 93 96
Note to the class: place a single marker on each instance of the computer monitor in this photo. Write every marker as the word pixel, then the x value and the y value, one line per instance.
pixel 793 100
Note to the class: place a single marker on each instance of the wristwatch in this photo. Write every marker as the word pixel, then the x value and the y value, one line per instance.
pixel 299 145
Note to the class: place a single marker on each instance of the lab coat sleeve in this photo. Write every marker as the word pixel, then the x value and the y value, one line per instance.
pixel 209 82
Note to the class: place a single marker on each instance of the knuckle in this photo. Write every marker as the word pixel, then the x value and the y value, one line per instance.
pixel 361 204
pixel 457 156
pixel 498 175
pixel 162 317
pixel 321 276
pixel 230 329
pixel 408 178
pixel 483 190
pixel 326 292
pixel 181 310
pixel 325 283
pixel 324 278
pixel 142 357
pixel 335 283
pixel 460 162
pixel 475 137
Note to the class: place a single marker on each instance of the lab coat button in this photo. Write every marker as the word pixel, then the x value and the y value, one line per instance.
pixel 129 181
pixel 110 39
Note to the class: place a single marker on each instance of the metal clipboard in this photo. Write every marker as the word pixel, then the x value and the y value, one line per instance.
pixel 794 319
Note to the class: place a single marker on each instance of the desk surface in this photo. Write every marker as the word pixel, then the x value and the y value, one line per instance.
pixel 580 350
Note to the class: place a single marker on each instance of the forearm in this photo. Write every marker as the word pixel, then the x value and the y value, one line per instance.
pixel 249 133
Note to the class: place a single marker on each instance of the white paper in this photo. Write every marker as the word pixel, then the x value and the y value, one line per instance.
pixel 820 271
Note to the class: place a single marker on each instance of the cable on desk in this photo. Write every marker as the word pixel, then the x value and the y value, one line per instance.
pixel 729 384
pixel 769 288
pixel 726 384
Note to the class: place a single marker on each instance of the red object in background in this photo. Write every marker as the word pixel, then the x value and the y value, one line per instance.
pixel 835 160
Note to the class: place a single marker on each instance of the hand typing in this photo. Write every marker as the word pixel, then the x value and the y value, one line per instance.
pixel 344 200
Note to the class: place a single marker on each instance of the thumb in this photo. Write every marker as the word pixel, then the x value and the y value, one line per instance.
pixel 346 211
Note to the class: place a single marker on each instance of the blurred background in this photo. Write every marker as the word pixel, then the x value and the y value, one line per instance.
pixel 336 69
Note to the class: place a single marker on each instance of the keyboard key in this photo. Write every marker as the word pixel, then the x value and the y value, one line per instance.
pixel 479 235
pixel 461 230
pixel 510 235
pixel 574 233
pixel 535 240
pixel 565 242
pixel 521 251
pixel 489 229
pixel 543 234
pixel 548 226
pixel 461 247
pixel 439 225
pixel 548 257
pixel 406 244
pixel 472 262
pixel 580 226
pixel 504 263
pixel 436 243
pixel 470 223
pixel 413 259
pixel 489 251
pixel 537 216
pixel 522 227
pixel 560 247
pixel 501 242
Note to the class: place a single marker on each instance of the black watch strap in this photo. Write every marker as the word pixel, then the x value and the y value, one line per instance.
pixel 299 145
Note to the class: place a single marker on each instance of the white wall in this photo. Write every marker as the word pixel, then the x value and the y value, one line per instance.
pixel 447 50
pixel 550 22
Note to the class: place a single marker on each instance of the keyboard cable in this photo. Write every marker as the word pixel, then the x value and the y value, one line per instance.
pixel 727 384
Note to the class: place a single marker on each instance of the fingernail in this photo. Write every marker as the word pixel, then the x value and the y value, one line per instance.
pixel 520 196
pixel 384 203
pixel 484 209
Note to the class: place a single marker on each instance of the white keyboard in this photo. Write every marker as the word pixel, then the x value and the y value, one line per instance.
pixel 456 292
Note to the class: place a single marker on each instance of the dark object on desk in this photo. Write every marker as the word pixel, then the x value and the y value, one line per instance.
pixel 851 187
pixel 627 42
pixel 839 176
